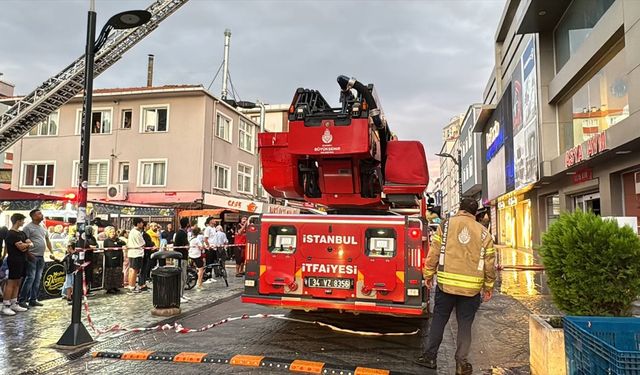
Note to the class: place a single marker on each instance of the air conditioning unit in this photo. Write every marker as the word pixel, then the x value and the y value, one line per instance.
pixel 116 192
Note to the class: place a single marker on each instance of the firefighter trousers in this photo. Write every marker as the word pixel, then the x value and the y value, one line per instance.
pixel 466 308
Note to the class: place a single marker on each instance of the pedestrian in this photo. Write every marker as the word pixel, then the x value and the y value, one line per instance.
pixel 167 235
pixel 239 246
pixel 69 269
pixel 181 245
pixel 196 246
pixel 463 259
pixel 209 240
pixel 150 247
pixel 113 260
pixel 39 236
pixel 3 234
pixel 135 253
pixel 123 235
pixel 17 245
pixel 220 241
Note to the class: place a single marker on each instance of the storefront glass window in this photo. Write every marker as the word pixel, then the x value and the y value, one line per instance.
pixel 601 103
pixel 575 26
pixel 553 209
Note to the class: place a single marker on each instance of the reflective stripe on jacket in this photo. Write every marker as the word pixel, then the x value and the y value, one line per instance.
pixel 466 264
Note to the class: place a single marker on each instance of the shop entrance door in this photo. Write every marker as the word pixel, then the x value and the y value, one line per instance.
pixel 588 202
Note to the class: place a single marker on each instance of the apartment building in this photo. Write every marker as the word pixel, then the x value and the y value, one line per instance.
pixel 166 145
pixel 276 117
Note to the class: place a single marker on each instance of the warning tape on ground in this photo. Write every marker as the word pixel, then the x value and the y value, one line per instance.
pixel 273 364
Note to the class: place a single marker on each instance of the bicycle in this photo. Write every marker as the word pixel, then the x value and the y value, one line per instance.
pixel 209 270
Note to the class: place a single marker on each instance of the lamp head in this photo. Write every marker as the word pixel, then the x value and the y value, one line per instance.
pixel 129 19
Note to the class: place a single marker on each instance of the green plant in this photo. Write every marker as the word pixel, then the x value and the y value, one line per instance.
pixel 592 265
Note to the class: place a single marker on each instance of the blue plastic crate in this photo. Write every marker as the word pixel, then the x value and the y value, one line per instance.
pixel 599 345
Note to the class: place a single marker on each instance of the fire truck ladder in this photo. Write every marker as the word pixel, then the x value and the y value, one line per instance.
pixel 59 89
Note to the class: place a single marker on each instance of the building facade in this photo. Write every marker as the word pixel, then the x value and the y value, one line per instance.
pixel 448 166
pixel 470 143
pixel 560 119
pixel 168 145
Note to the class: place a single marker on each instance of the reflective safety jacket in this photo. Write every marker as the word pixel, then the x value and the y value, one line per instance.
pixel 462 255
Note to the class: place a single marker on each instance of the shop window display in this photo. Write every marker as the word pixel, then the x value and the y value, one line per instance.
pixel 599 104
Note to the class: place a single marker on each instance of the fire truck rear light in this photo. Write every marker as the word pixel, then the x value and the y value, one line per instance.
pixel 413 292
pixel 252 228
pixel 251 274
pixel 366 291
pixel 250 283
pixel 414 233
pixel 413 282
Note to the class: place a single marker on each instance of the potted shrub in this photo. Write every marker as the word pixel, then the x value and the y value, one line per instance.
pixel 593 269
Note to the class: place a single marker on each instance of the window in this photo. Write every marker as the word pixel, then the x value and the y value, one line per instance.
pixel 223 127
pixel 38 174
pixel 127 115
pixel 47 127
pixel 282 239
pixel 245 136
pixel 100 121
pixel 152 173
pixel 381 242
pixel 553 209
pixel 222 177
pixel 98 173
pixel 245 178
pixel 154 119
pixel 123 172
pixel 575 26
pixel 601 103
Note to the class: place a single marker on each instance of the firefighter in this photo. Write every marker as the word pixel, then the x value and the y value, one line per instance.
pixel 463 259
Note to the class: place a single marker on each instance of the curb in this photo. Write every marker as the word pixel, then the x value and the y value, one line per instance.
pixel 273 364
pixel 78 352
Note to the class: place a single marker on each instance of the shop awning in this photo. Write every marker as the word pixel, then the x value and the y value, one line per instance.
pixel 213 212
pixel 127 209
pixel 11 200
pixel 12 195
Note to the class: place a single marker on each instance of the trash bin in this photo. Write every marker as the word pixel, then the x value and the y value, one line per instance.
pixel 166 285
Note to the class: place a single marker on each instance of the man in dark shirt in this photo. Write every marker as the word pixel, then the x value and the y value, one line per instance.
pixel 17 246
pixel 181 243
pixel 168 234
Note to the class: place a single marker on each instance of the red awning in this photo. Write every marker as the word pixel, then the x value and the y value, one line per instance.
pixel 11 195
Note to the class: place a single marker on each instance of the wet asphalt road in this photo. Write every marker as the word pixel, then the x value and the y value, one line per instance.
pixel 500 336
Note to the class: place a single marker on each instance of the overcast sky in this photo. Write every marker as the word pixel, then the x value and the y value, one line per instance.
pixel 429 59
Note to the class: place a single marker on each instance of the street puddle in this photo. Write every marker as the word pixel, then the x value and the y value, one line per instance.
pixel 520 274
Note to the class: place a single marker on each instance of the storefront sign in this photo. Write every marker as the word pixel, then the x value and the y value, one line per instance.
pixel 281 210
pixel 53 280
pixel 233 203
pixel 592 147
pixel 510 202
pixel 583 176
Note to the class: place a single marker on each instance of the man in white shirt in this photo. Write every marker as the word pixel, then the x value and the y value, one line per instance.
pixel 135 246
pixel 209 238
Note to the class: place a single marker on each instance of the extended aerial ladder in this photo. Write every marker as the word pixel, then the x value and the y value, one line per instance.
pixel 59 89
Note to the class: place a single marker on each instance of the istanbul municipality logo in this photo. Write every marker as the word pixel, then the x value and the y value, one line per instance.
pixel 327 137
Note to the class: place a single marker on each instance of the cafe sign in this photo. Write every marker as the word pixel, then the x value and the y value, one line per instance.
pixel 53 280
pixel 592 147
pixel 233 203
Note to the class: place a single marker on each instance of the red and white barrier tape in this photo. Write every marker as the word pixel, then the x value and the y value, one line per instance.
pixel 178 328
pixel 99 249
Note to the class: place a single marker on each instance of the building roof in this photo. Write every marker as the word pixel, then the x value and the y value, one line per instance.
pixel 118 90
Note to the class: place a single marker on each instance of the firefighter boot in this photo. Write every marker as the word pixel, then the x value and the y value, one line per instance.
pixel 426 361
pixel 464 368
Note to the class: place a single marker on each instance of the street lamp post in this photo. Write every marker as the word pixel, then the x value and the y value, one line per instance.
pixel 458 162
pixel 77 334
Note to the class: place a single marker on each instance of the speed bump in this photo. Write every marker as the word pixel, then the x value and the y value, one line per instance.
pixel 273 364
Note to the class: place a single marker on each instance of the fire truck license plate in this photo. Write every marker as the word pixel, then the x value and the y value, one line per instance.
pixel 326 282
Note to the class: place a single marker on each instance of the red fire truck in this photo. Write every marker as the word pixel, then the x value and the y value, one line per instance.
pixel 366 254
